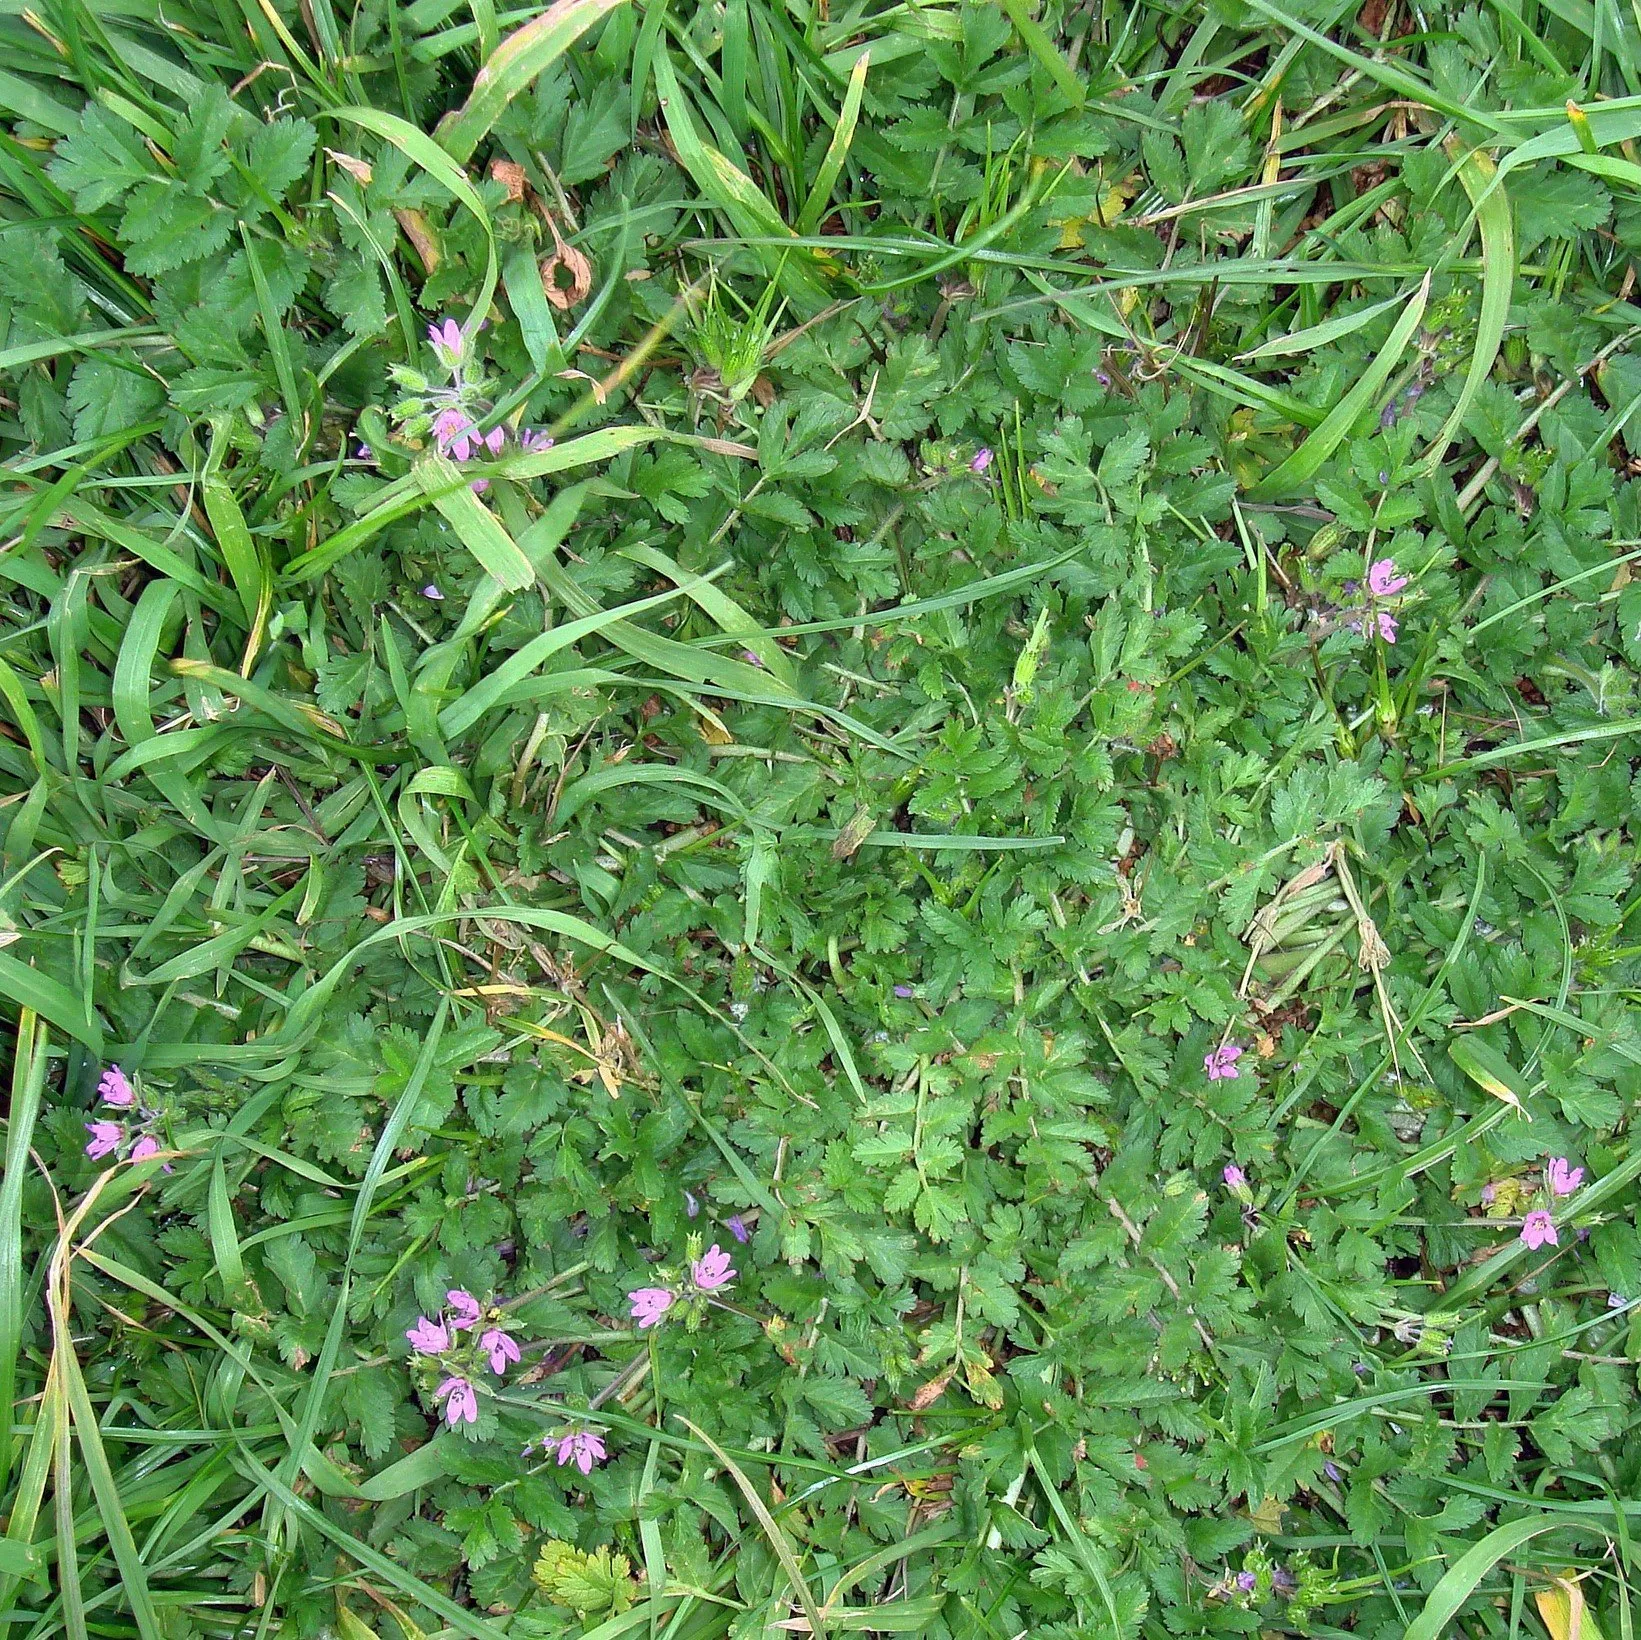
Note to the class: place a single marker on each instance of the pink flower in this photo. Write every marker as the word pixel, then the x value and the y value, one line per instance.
pixel 981 461
pixel 115 1088
pixel 105 1137
pixel 1537 1228
pixel 1387 627
pixel 737 1228
pixel 428 1337
pixel 502 1349
pixel 1383 581
pixel 465 1309
pixel 494 439
pixel 145 1147
pixel 448 343
pixel 649 1304
pixel 1489 1193
pixel 712 1270
pixel 535 441
pixel 1235 1178
pixel 454 434
pixel 462 1407
pixel 1563 1176
pixel 431 591
pixel 1220 1062
pixel 584 1447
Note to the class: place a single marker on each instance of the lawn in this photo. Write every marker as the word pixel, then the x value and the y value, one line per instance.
pixel 819 817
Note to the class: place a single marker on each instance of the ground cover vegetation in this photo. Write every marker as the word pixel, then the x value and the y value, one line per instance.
pixel 819 818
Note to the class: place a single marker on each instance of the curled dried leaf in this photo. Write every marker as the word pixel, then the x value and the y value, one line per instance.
pixel 566 275
pixel 511 176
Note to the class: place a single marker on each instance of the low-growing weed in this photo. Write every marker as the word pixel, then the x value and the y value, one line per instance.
pixel 819 818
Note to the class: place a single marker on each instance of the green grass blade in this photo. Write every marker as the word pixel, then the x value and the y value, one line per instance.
pixel 28 1078
pixel 837 151
pixel 514 65
pixel 1042 48
pixel 799 1584
pixel 1498 252
pixel 478 529
pixel 1459 1582
pixel 1294 476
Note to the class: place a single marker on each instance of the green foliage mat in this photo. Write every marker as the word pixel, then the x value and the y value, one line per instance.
pixel 984 656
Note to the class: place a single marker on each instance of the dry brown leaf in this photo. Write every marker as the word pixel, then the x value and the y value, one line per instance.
pixel 932 1391
pixel 511 176
pixel 358 169
pixel 566 275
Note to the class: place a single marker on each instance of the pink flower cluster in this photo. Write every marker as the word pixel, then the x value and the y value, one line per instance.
pixel 1561 1178
pixel 457 435
pixel 441 1336
pixel 114 1089
pixel 449 344
pixel 707 1274
pixel 582 1447
pixel 1382 582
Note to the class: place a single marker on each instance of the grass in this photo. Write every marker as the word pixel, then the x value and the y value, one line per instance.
pixel 906 682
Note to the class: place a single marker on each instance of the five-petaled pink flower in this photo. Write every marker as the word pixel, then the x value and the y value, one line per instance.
pixel 1387 626
pixel 115 1088
pixel 145 1147
pixel 465 1310
pixel 712 1270
pixel 1220 1062
pixel 454 434
pixel 584 1447
pixel 1235 1178
pixel 981 461
pixel 462 1405
pixel 649 1304
pixel 1563 1176
pixel 428 1337
pixel 448 342
pixel 1537 1228
pixel 501 1349
pixel 1383 581
pixel 105 1138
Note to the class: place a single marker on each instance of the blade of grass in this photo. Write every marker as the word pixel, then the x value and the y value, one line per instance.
pixel 1459 1582
pixel 777 1538
pixel 1295 474
pixel 475 525
pixel 1498 255
pixel 837 151
pixel 28 1076
pixel 513 66
pixel 1042 48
